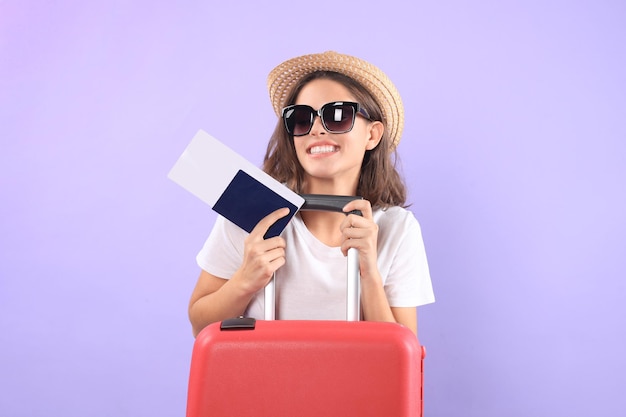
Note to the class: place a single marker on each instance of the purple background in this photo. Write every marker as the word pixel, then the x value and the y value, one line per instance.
pixel 514 150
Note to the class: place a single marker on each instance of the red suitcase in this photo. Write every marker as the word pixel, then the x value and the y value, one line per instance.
pixel 246 367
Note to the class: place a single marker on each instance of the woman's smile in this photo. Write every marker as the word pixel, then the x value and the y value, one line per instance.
pixel 322 149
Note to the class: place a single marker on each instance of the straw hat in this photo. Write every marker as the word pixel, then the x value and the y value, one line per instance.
pixel 284 77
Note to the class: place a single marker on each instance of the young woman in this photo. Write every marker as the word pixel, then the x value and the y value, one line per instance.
pixel 340 120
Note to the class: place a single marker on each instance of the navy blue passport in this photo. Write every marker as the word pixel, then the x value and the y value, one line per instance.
pixel 246 201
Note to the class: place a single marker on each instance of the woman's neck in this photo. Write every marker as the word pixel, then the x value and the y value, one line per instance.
pixel 330 187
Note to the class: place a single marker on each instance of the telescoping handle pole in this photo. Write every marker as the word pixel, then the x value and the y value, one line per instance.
pixel 353 297
pixel 270 299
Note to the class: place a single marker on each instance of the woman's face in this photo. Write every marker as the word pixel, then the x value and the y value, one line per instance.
pixel 332 161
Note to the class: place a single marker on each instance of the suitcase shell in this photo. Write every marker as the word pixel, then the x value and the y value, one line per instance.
pixel 292 368
pixel 306 368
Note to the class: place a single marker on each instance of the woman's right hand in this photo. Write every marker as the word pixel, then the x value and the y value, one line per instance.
pixel 216 298
pixel 261 257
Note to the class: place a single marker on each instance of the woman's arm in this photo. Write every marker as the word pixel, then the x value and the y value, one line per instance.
pixel 214 298
pixel 406 316
pixel 376 307
pixel 361 232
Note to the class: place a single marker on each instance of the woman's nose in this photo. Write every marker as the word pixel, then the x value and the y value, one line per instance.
pixel 318 127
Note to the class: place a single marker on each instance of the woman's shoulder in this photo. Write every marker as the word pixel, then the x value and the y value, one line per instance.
pixel 397 221
pixel 394 215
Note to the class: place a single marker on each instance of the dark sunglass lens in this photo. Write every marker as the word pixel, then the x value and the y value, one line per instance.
pixel 298 120
pixel 338 118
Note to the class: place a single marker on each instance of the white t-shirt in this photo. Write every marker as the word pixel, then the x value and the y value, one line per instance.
pixel 312 283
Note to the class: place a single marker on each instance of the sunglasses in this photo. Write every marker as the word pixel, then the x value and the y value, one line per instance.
pixel 336 117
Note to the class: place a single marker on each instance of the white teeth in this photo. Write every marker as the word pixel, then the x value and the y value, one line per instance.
pixel 322 149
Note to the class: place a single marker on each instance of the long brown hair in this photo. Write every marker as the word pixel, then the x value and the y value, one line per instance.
pixel 379 182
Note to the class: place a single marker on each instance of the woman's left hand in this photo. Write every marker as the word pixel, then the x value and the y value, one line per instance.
pixel 361 233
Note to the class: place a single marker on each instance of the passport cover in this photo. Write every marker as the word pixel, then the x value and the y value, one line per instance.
pixel 231 185
pixel 246 201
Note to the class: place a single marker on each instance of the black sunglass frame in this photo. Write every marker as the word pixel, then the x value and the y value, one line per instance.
pixel 357 110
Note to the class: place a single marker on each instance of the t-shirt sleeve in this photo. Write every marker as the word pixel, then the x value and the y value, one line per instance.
pixel 408 283
pixel 222 252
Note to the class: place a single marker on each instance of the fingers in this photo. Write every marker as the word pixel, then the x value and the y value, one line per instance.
pixel 356 221
pixel 359 232
pixel 363 239
pixel 361 205
pixel 267 250
pixel 262 257
pixel 266 262
pixel 263 226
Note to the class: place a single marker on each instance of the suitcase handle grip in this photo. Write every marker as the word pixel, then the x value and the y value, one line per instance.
pixel 322 202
